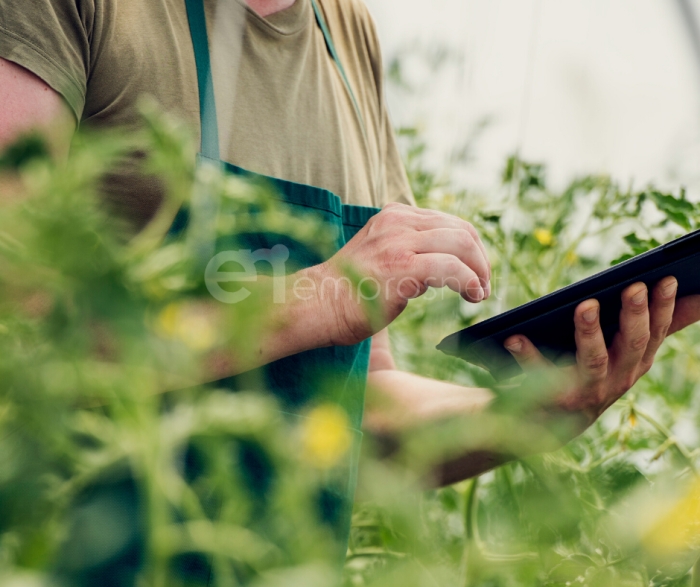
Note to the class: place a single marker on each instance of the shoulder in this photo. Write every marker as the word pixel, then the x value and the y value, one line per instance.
pixel 54 40
pixel 353 30
pixel 351 19
pixel 346 9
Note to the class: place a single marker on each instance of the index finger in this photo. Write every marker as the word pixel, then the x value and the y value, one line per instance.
pixel 432 219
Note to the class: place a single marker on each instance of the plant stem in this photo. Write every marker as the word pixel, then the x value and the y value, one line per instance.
pixel 472 554
pixel 469 507
pixel 682 450
pixel 695 574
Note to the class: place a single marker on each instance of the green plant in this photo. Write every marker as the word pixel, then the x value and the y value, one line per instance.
pixel 106 479
pixel 597 511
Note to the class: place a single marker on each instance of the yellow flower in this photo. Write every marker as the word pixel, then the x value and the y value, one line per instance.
pixel 679 528
pixel 168 319
pixel 544 237
pixel 571 258
pixel 325 436
pixel 193 326
pixel 633 419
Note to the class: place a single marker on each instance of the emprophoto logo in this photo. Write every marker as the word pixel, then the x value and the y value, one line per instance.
pixel 220 270
pixel 214 276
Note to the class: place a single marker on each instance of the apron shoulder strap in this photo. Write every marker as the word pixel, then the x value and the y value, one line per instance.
pixel 207 105
pixel 334 54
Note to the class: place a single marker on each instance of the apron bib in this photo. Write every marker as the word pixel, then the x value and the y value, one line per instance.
pixel 301 380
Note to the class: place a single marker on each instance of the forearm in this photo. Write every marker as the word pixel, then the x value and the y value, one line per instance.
pixel 305 320
pixel 399 402
pixel 259 329
pixel 403 407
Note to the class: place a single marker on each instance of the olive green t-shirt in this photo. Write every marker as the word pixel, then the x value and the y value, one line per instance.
pixel 286 112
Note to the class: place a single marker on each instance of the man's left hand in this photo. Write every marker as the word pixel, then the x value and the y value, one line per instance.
pixel 602 375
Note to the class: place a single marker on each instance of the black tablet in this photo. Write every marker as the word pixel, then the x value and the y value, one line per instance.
pixel 549 321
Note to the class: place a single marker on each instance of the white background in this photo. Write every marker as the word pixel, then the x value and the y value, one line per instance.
pixel 586 86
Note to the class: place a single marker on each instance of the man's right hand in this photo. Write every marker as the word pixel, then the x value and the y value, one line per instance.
pixel 396 256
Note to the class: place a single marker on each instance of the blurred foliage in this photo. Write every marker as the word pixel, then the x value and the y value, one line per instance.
pixel 617 506
pixel 105 479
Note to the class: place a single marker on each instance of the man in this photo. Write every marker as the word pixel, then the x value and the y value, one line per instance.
pixel 303 114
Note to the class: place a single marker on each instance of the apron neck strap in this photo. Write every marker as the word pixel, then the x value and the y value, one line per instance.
pixel 207 104
pixel 334 54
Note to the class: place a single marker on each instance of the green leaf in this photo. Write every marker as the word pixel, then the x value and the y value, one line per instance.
pixel 493 218
pixel 677 210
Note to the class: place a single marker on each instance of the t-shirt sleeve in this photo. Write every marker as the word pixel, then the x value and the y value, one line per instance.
pixel 396 187
pixel 51 38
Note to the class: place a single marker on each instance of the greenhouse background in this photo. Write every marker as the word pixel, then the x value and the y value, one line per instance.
pixel 589 86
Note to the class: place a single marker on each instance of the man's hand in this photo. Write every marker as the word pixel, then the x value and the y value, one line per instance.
pixel 601 375
pixel 398 255
pixel 400 403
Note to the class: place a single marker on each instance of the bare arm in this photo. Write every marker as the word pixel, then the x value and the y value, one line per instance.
pixel 28 103
pixel 401 251
pixel 399 401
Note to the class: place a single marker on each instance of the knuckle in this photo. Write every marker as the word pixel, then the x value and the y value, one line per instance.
pixel 374 220
pixel 387 217
pixel 453 265
pixel 390 214
pixel 466 240
pixel 640 342
pixel 583 401
pixel 429 267
pixel 588 330
pixel 597 400
pixel 472 231
pixel 659 333
pixel 662 330
pixel 473 284
pixel 596 363
pixel 411 288
pixel 396 261
pixel 660 301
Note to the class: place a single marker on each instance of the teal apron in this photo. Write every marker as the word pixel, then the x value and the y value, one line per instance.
pixel 302 380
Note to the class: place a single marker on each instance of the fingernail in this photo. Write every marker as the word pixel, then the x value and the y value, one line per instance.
pixel 670 289
pixel 487 289
pixel 591 315
pixel 638 298
pixel 516 346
